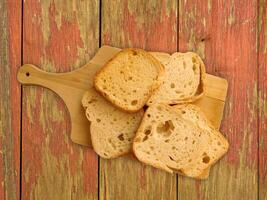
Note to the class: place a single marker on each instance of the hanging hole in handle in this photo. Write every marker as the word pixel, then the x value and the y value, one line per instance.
pixel 27 73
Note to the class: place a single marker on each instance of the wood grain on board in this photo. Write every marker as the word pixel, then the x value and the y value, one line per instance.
pixel 224 34
pixel 151 25
pixel 58 36
pixel 262 98
pixel 10 60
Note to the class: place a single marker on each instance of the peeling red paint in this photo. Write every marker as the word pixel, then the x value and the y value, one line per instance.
pixel 10 123
pixel 143 178
pixel 60 128
pixel 62 48
pixel 90 175
pixel 31 146
pixel 198 190
pixel 32 35
pixel 143 36
pixel 106 39
pixel 262 95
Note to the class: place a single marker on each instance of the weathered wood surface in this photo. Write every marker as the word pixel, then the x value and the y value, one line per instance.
pixel 230 35
pixel 150 25
pixel 224 33
pixel 58 36
pixel 10 60
pixel 262 98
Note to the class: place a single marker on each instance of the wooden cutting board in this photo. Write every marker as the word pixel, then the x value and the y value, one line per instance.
pixel 71 86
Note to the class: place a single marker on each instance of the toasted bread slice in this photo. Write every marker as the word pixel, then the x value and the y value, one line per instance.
pixel 129 79
pixel 183 80
pixel 112 130
pixel 168 140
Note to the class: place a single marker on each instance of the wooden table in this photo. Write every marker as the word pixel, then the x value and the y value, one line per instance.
pixel 37 158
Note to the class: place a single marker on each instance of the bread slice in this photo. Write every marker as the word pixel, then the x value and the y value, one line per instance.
pixel 168 140
pixel 183 80
pixel 194 114
pixel 129 79
pixel 112 130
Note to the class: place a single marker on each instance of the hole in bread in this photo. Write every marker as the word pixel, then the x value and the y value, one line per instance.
pixel 105 154
pixel 193 142
pixel 183 112
pixel 134 53
pixel 151 147
pixel 129 140
pixel 120 137
pixel 148 115
pixel 145 107
pixel 134 91
pixel 145 138
pixel 121 72
pixel 165 128
pixel 186 138
pixel 173 148
pixel 194 59
pixel 138 139
pixel 98 120
pixel 148 131
pixel 190 160
pixel 127 122
pixel 104 80
pixel 172 85
pixel 134 102
pixel 91 101
pixel 120 150
pixel 178 92
pixel 171 158
pixel 206 159
pixel 27 73
pixel 114 119
pixel 190 83
pixel 219 143
pixel 166 141
pixel 130 78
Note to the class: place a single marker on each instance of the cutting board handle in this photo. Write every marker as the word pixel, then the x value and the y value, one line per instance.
pixel 29 74
pixel 32 75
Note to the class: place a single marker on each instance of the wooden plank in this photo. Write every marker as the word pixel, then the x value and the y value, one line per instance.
pixel 223 32
pixel 58 36
pixel 262 99
pixel 151 25
pixel 10 60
